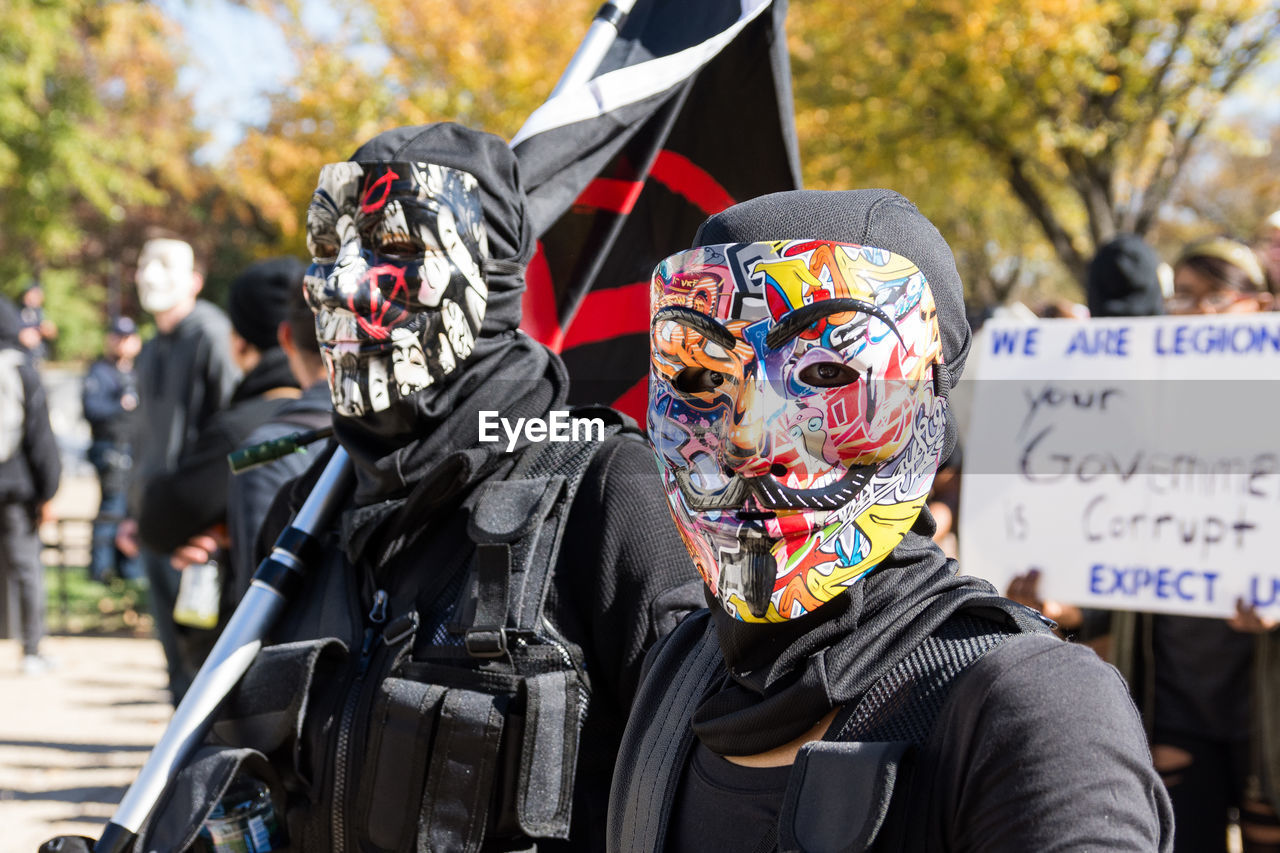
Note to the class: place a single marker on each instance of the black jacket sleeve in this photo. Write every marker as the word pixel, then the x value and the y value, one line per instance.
pixel 191 498
pixel 102 393
pixel 38 442
pixel 1045 751
pixel 634 578
pixel 250 496
pixel 217 378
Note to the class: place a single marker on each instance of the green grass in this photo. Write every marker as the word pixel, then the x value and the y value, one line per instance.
pixel 77 604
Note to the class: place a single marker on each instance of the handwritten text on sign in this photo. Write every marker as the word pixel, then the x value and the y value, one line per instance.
pixel 1135 463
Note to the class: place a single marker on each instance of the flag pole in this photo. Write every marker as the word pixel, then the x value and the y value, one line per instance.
pixel 600 35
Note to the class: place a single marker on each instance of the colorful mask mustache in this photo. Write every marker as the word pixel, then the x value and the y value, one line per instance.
pixel 794 415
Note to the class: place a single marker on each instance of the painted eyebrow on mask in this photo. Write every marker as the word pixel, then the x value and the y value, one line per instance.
pixel 806 315
pixel 697 321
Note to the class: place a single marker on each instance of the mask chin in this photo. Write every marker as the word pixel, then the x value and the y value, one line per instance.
pixel 365 380
pixel 155 300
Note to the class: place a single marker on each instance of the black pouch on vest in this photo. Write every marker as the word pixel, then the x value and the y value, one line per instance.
pixel 451 732
pixel 262 715
pixel 191 796
pixel 267 710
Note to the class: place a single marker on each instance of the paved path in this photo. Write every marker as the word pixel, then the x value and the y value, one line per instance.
pixel 72 740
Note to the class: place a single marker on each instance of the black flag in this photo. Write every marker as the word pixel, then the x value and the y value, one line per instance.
pixel 689 113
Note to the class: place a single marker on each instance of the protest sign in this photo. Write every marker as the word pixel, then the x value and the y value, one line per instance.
pixel 1134 462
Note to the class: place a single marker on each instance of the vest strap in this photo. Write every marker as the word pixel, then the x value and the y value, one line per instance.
pixel 487 636
pixel 652 755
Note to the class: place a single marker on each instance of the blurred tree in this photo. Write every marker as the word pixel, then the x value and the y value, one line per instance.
pixel 485 63
pixel 95 147
pixel 1234 190
pixel 1004 118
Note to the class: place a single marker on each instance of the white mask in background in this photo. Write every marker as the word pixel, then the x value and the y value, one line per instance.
pixel 166 274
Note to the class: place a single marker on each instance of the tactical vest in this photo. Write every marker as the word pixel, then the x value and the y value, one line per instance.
pixel 453 727
pixel 845 793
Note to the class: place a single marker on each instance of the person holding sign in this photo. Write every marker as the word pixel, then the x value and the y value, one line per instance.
pixel 1208 688
pixel 847 689
pixel 1197 681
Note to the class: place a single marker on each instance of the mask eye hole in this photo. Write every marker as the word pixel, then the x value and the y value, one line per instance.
pixel 324 250
pixel 699 380
pixel 828 374
pixel 398 248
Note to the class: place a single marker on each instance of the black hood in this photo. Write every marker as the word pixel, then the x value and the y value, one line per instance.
pixel 433 433
pixel 490 161
pixel 879 218
pixel 876 217
pixel 1124 280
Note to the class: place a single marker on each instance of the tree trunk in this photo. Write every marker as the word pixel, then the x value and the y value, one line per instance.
pixel 1039 208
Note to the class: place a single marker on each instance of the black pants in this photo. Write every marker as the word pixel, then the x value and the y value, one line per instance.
pixel 112 462
pixel 185 648
pixel 22 573
pixel 1205 790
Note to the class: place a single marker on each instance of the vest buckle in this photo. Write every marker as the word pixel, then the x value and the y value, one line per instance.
pixel 486 642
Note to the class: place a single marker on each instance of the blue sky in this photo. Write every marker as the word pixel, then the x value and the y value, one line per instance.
pixel 235 58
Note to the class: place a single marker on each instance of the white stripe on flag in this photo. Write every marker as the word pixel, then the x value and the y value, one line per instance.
pixel 632 83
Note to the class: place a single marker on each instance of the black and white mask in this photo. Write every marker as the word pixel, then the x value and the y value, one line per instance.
pixel 396 280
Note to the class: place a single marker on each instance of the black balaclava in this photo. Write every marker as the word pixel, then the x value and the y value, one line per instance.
pixel 785 677
pixel 425 448
pixel 1124 280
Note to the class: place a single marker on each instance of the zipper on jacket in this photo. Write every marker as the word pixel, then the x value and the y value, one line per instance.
pixel 584 694
pixel 377 615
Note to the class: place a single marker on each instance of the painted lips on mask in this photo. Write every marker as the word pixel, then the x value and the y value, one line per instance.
pixel 770 493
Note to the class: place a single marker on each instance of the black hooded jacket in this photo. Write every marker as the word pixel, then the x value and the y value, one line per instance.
pixel 191 498
pixel 29 462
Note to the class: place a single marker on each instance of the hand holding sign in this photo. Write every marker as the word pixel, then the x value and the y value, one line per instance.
pixel 1025 589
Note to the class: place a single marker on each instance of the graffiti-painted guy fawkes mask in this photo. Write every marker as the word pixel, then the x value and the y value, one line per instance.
pixel 397 281
pixel 793 412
